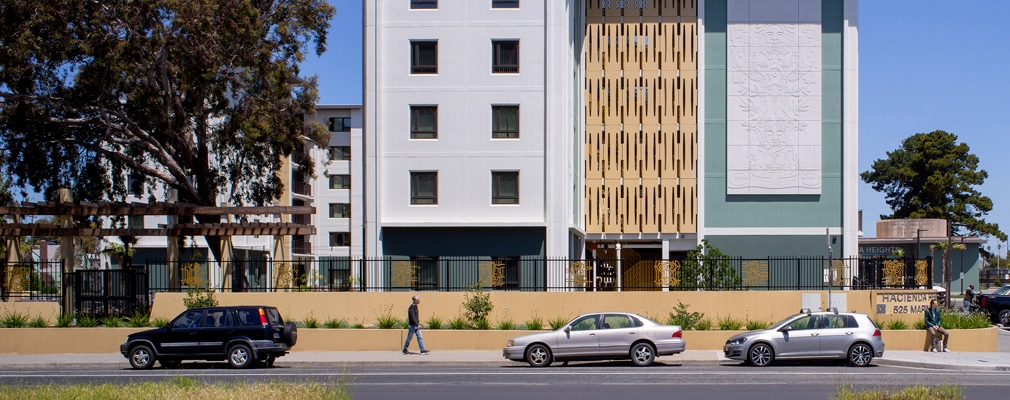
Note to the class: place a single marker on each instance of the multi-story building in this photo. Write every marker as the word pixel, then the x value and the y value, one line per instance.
pixel 558 128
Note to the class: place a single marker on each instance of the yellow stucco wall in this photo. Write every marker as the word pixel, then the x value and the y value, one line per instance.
pixel 47 310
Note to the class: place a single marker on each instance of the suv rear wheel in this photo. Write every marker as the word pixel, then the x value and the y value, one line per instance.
pixel 141 357
pixel 240 356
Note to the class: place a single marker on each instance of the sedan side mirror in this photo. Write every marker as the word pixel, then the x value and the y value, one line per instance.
pixel 786 328
pixel 568 329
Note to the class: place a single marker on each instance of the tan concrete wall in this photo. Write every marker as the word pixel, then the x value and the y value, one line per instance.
pixel 768 306
pixel 107 340
pixel 48 310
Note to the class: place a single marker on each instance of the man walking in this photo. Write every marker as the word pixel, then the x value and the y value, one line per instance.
pixel 933 325
pixel 414 326
pixel 969 298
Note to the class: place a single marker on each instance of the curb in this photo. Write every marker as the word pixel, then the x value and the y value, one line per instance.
pixel 941 367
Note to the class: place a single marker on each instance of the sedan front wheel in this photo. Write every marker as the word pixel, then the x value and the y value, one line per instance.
pixel 538 356
pixel 760 355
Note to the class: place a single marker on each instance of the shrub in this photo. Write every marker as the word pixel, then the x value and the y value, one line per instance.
pixel 358 325
pixel 335 324
pixel 86 321
pixel 477 304
pixel 482 324
pixel 64 321
pixel 557 322
pixel 939 392
pixel 311 322
pixel 506 325
pixel 704 325
pixel 434 322
pixel 159 322
pixel 112 321
pixel 919 324
pixel 459 323
pixel 957 320
pixel 139 319
pixel 38 322
pixel 729 324
pixel 385 318
pixel 896 325
pixel 14 319
pixel 755 325
pixel 199 298
pixel 535 323
pixel 686 320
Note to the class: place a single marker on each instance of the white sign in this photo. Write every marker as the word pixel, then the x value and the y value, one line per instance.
pixel 812 301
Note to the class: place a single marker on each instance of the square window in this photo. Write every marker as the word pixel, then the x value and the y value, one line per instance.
pixel 504 3
pixel 338 239
pixel 504 187
pixel 136 182
pixel 424 188
pixel 340 153
pixel 424 122
pixel 340 210
pixel 505 122
pixel 340 181
pixel 340 124
pixel 504 56
pixel 423 4
pixel 424 56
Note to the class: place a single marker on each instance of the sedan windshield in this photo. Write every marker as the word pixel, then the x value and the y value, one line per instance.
pixel 1002 291
pixel 783 322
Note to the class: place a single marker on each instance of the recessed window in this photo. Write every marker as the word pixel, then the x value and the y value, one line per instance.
pixel 340 153
pixel 504 56
pixel 424 56
pixel 338 239
pixel 423 122
pixel 136 182
pixel 505 122
pixel 505 187
pixel 423 4
pixel 340 124
pixel 340 210
pixel 340 181
pixel 504 3
pixel 424 188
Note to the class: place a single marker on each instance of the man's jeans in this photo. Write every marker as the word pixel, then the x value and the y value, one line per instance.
pixel 410 334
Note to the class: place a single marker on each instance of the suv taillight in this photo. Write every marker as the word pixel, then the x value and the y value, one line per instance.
pixel 876 332
pixel 263 317
pixel 983 302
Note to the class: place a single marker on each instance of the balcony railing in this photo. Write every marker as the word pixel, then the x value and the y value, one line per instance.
pixel 302 188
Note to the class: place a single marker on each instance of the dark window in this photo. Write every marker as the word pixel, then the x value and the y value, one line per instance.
pixel 340 210
pixel 340 124
pixel 191 319
pixel 423 122
pixel 248 316
pixel 340 181
pixel 504 187
pixel 504 3
pixel 340 153
pixel 216 318
pixel 505 122
pixel 504 56
pixel 423 57
pixel 424 188
pixel 340 239
pixel 423 4
pixel 136 184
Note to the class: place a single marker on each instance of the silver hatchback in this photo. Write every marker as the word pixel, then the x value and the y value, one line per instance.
pixel 807 335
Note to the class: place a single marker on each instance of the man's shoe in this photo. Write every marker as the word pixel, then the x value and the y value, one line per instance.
pixel 405 352
pixel 946 350
pixel 425 352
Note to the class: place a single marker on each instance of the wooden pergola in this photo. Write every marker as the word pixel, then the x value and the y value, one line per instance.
pixel 67 209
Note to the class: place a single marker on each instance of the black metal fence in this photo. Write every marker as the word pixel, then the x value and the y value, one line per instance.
pixel 31 281
pixel 109 292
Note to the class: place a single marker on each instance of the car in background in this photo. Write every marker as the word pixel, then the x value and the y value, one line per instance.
pixel 599 336
pixel 810 335
pixel 242 335
pixel 996 305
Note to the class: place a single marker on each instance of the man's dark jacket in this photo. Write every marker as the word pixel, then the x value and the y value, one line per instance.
pixel 412 315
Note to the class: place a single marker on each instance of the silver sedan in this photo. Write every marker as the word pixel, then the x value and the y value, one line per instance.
pixel 807 335
pixel 599 336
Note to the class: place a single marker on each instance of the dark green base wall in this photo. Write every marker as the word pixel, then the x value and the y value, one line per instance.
pixel 494 242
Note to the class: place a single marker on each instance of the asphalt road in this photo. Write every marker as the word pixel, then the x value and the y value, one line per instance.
pixel 582 381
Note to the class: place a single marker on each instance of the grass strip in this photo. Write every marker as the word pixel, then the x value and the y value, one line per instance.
pixel 182 388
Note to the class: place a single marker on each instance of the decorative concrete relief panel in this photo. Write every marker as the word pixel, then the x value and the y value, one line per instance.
pixel 773 89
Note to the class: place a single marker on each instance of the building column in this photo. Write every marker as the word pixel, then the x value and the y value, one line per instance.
pixel 67 254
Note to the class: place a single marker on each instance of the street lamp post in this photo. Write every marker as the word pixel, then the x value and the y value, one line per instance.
pixel 917 236
pixel 960 268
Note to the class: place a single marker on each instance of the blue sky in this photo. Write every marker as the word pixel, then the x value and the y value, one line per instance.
pixel 924 65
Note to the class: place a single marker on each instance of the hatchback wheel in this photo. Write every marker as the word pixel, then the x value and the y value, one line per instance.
pixel 141 357
pixel 239 356
pixel 860 355
pixel 1004 318
pixel 538 355
pixel 760 355
pixel 642 354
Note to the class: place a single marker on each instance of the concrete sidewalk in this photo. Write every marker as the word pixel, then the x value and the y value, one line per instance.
pixel 958 361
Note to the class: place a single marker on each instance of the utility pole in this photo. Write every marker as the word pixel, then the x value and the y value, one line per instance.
pixel 917 231
pixel 831 270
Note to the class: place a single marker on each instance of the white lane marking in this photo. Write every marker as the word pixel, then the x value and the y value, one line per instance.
pixel 401 374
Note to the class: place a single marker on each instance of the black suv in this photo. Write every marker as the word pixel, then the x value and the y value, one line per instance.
pixel 243 335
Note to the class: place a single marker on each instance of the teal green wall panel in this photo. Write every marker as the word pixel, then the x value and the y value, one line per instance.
pixel 761 246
